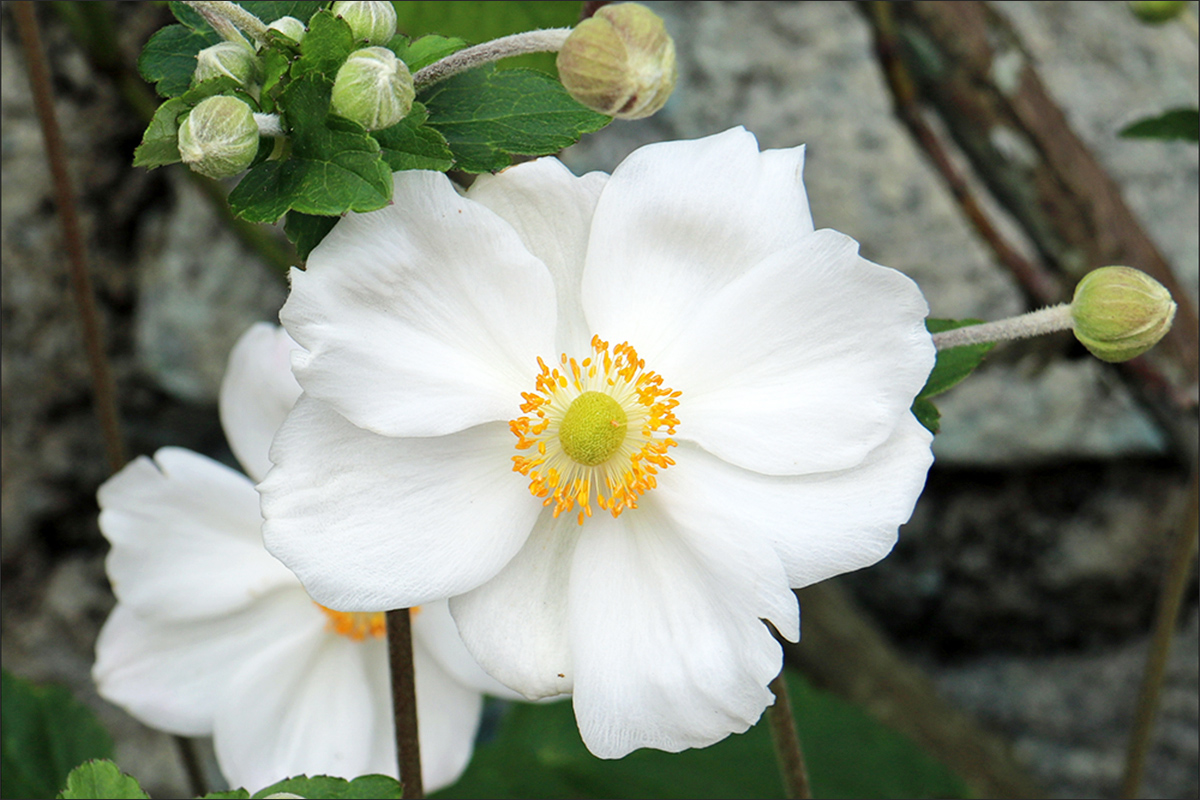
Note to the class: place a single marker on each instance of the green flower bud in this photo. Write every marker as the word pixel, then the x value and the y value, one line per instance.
pixel 219 138
pixel 290 27
pixel 621 62
pixel 373 88
pixel 1156 12
pixel 373 22
pixel 1119 313
pixel 230 60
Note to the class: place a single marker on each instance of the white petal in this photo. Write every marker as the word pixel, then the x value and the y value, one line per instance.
pixel 307 705
pixel 678 220
pixel 803 364
pixel 822 524
pixel 422 318
pixel 257 393
pixel 669 648
pixel 435 632
pixel 552 211
pixel 517 625
pixel 448 719
pixel 371 523
pixel 169 674
pixel 186 537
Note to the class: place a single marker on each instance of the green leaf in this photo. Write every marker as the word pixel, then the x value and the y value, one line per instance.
pixel 232 794
pixel 1179 123
pixel 169 58
pixel 927 414
pixel 214 86
pixel 276 63
pixel 411 144
pixel 335 166
pixel 325 46
pixel 538 753
pixel 101 780
pixel 481 22
pixel 306 231
pixel 46 732
pixel 424 51
pixel 361 788
pixel 270 10
pixel 486 115
pixel 955 364
pixel 160 142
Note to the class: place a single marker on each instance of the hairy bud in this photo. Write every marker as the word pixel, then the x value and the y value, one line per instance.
pixel 374 23
pixel 230 60
pixel 219 138
pixel 1119 313
pixel 290 27
pixel 621 62
pixel 373 88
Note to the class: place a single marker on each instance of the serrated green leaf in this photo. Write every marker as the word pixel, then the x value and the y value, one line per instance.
pixel 101 780
pixel 188 16
pixel 426 50
pixel 1179 123
pixel 271 10
pixel 45 733
pixel 481 22
pixel 306 231
pixel 334 166
pixel 361 788
pixel 214 86
pixel 276 63
pixel 325 46
pixel 160 142
pixel 486 115
pixel 538 753
pixel 956 363
pixel 411 144
pixel 169 58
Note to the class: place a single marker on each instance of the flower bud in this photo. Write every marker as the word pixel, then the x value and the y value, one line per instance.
pixel 1119 313
pixel 219 138
pixel 373 88
pixel 373 22
pixel 229 60
pixel 621 62
pixel 1156 12
pixel 290 27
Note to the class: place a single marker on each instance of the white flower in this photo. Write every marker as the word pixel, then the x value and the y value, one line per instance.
pixel 759 439
pixel 211 635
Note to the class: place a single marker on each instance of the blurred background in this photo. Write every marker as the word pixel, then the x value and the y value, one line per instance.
pixel 1023 590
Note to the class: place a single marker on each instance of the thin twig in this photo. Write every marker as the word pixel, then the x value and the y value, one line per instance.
pixel 1169 603
pixel 548 40
pixel 787 742
pixel 404 702
pixel 68 215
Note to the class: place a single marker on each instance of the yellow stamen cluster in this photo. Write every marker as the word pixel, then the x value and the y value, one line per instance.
pixel 568 425
pixel 356 625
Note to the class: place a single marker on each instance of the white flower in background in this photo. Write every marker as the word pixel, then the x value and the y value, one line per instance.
pixel 615 419
pixel 211 635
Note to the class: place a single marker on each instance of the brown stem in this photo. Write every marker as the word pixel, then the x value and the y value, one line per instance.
pixel 68 215
pixel 787 742
pixel 1170 601
pixel 404 702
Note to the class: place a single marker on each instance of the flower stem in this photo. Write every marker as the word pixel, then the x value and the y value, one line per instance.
pixel 1170 599
pixel 787 742
pixel 549 40
pixel 228 18
pixel 1035 323
pixel 404 702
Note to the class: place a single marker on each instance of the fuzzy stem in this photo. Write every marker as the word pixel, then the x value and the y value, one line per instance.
pixel 787 743
pixel 1035 323
pixel 549 40
pixel 228 18
pixel 404 702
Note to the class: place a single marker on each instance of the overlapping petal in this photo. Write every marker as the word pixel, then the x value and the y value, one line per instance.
pixel 551 210
pixel 185 535
pixel 370 522
pixel 422 318
pixel 679 220
pixel 821 524
pixel 802 364
pixel 257 393
pixel 435 632
pixel 517 624
pixel 669 650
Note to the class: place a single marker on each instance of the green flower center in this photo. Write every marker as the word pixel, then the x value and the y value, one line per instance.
pixel 592 429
